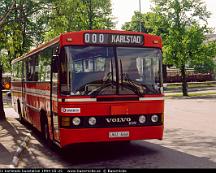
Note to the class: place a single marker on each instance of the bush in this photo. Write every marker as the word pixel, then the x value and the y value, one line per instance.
pixel 190 78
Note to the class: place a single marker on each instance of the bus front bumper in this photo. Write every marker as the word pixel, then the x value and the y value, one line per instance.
pixel 72 136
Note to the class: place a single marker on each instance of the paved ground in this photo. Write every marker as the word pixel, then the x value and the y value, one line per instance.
pixel 190 126
pixel 11 136
pixel 189 142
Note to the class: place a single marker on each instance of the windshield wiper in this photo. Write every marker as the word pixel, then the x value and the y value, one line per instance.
pixel 130 85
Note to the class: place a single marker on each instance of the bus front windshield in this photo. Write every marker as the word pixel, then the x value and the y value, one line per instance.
pixel 93 70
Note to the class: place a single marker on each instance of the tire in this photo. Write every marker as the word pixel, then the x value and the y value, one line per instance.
pixel 19 112
pixel 44 128
pixel 45 131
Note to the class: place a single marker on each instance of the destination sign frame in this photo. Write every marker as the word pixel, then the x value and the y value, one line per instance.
pixel 113 39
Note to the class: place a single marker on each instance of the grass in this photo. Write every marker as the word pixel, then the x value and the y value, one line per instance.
pixel 7 106
pixel 191 94
pixel 191 85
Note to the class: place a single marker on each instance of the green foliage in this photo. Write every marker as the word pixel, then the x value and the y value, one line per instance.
pixel 150 23
pixel 182 24
pixel 185 35
pixel 75 15
pixel 207 66
pixel 23 27
pixel 205 63
pixel 184 42
pixel 137 21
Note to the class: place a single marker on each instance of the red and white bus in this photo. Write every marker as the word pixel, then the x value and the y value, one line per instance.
pixel 92 86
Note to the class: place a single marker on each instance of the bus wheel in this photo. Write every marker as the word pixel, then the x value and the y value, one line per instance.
pixel 19 111
pixel 45 131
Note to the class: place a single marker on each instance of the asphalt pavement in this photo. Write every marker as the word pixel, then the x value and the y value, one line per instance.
pixel 189 139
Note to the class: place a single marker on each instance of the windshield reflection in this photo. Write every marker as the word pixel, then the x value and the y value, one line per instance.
pixel 95 70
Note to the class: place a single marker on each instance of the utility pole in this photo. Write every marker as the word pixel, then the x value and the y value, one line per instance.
pixel 140 26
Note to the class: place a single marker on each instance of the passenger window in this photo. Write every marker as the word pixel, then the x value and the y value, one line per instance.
pixel 17 71
pixel 45 65
pixel 32 68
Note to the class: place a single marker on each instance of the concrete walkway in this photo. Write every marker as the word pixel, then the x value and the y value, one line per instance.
pixel 12 133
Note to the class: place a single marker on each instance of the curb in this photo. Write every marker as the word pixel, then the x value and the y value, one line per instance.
pixel 19 151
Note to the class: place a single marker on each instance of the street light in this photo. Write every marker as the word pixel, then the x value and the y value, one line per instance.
pixel 140 27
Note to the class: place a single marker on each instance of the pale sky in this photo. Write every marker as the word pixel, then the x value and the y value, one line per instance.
pixel 123 10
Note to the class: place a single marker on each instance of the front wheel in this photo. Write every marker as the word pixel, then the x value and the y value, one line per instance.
pixel 19 112
pixel 45 130
pixel 46 134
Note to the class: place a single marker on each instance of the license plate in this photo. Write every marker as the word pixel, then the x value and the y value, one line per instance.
pixel 123 134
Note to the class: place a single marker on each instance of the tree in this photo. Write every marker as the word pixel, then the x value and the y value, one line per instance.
pixel 150 23
pixel 184 40
pixel 21 23
pixel 137 23
pixel 205 63
pixel 4 15
pixel 76 15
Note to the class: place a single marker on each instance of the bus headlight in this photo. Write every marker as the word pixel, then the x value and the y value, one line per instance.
pixel 142 119
pixel 76 121
pixel 92 121
pixel 154 118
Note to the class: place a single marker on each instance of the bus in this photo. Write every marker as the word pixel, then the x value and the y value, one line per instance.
pixel 92 86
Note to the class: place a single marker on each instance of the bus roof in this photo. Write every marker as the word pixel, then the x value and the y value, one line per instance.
pixel 38 49
pixel 77 37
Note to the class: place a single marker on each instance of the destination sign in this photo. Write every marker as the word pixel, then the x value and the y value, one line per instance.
pixel 116 39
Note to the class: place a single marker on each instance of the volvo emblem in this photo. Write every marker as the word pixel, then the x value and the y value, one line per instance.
pixel 118 120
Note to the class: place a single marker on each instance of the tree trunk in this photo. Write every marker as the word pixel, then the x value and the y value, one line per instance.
pixel 2 113
pixel 164 68
pixel 7 13
pixel 184 81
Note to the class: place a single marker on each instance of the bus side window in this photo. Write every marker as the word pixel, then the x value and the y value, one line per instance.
pixel 32 68
pixel 45 65
pixel 17 71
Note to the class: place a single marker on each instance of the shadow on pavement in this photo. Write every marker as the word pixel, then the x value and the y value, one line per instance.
pixel 6 156
pixel 12 134
pixel 10 138
pixel 137 154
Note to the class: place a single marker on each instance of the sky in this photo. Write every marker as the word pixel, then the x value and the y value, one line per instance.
pixel 123 10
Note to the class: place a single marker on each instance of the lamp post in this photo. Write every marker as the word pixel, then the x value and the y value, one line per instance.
pixel 140 27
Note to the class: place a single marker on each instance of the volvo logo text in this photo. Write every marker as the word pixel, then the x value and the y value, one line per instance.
pixel 118 120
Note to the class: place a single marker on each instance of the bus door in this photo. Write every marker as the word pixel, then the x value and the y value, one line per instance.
pixel 53 94
pixel 23 85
